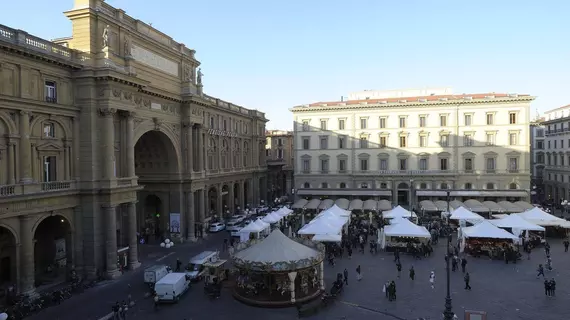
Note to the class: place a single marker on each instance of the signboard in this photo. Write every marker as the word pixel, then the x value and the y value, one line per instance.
pixel 475 315
pixel 174 222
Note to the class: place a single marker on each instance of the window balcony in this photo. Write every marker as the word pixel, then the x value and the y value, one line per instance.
pixel 51 99
pixel 36 188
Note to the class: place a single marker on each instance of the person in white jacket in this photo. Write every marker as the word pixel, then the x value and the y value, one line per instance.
pixel 432 279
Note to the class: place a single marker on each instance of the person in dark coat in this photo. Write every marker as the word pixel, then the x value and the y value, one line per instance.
pixel 412 273
pixel 463 264
pixel 467 279
pixel 345 273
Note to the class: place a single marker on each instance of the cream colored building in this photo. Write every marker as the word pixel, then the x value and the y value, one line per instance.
pixel 401 147
pixel 280 161
pixel 108 133
pixel 556 174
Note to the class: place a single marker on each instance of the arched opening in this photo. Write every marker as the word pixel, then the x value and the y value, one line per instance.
pixel 444 186
pixel 490 186
pixel 403 194
pixel 342 185
pixel 246 194
pixel 153 211
pixel 306 185
pixel 324 185
pixel 513 186
pixel 212 201
pixel 468 186
pixel 8 266
pixel 423 186
pixel 52 250
pixel 225 201
pixel 236 194
pixel 155 157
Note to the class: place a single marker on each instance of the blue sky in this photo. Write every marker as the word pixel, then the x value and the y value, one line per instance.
pixel 272 55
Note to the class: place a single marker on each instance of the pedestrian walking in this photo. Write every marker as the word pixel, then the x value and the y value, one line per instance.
pixel 553 287
pixel 358 273
pixel 399 267
pixel 386 289
pixel 345 274
pixel 412 273
pixel 547 288
pixel 454 263
pixel 155 298
pixel 432 279
pixel 467 279
pixel 463 264
pixel 547 249
pixel 178 265
pixel 397 255
pixel 566 244
pixel 393 290
pixel 540 271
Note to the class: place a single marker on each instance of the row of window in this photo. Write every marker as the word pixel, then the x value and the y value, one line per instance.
pixel 422 186
pixel 553 128
pixel 403 121
pixel 553 159
pixel 554 143
pixel 558 177
pixel 403 164
pixel 230 125
pixel 280 153
pixel 403 141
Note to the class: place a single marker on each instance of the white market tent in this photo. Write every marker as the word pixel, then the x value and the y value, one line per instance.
pixel 323 225
pixel 486 229
pixel 327 237
pixel 284 211
pixel 397 212
pixel 273 217
pixel 517 224
pixel 462 213
pixel 256 227
pixel 402 228
pixel 541 218
pixel 337 211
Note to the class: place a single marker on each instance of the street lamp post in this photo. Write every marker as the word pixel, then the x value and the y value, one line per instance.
pixel 448 313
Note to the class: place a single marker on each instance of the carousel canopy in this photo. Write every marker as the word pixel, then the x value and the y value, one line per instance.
pixel 454 204
pixel 277 248
pixel 273 217
pixel 524 205
pixel 300 204
pixel 384 205
pixel 427 205
pixel 397 212
pixel 327 237
pixel 441 205
pixel 355 204
pixel 510 207
pixel 342 203
pixel 462 213
pixel 485 229
pixel 515 221
pixel 336 211
pixel 493 206
pixel 541 218
pixel 325 204
pixel 370 205
pixel 313 204
pixel 405 228
pixel 475 206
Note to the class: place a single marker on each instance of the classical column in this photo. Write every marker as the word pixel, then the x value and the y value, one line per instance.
pixel 78 239
pixel 241 194
pixel 292 276
pixel 219 150
pixel 108 143
pixel 11 163
pixel 189 147
pixel 203 199
pixel 75 146
pixel 231 198
pixel 201 149
pixel 130 145
pixel 133 240
pixel 322 275
pixel 250 193
pixel 110 215
pixel 25 148
pixel 27 277
pixel 191 217
pixel 66 155
pixel 220 207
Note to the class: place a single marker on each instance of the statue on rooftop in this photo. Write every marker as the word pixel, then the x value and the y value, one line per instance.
pixel 106 37
pixel 199 78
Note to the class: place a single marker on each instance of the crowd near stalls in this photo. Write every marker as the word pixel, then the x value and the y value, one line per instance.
pixel 403 235
pixel 278 271
pixel 260 227
pixel 485 239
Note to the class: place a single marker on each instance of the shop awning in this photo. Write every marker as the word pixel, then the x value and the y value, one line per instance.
pixel 493 206
pixel 441 205
pixel 475 206
pixel 313 204
pixel 344 192
pixel 370 205
pixel 355 204
pixel 384 205
pixel 428 205
pixel 325 204
pixel 342 203
pixel 510 207
pixel 524 205
pixel 300 204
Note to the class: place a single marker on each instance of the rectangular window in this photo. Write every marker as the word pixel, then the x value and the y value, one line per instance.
pixel 540 145
pixel 324 166
pixel 512 117
pixel 490 119
pixel 50 169
pixel 363 164
pixel 444 140
pixel 342 165
pixel 363 123
pixel 402 122
pixel 306 143
pixel 423 164
pixel 443 164
pixel 423 141
pixel 279 142
pixel 382 123
pixel 383 142
pixel 548 144
pixel 268 152
pixel 468 119
pixel 562 144
pixel 280 153
pixel 403 164
pixel 468 164
pixel 323 125
pixel 402 142
pixel 363 143
pixel 383 164
pixel 513 164
pixel 225 125
pixel 49 130
pixel 490 165
pixel 51 91
pixel 468 140
pixel 555 144
pixel 306 166
pixel 341 142
pixel 341 124
pixel 422 121
pixel 324 143
pixel 212 122
pixel 490 139
pixel 443 120
pixel 539 158
pixel 305 125
pixel 513 139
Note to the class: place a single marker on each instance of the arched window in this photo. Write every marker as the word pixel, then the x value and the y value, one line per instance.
pixel 306 185
pixel 468 186
pixel 443 186
pixel 490 186
pixel 324 185
pixel 383 185
pixel 364 185
pixel 513 186
pixel 343 185
pixel 423 186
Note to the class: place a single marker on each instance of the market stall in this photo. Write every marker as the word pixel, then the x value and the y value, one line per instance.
pixel 273 217
pixel 462 214
pixel 518 226
pixel 325 224
pixel 337 211
pixel 554 226
pixel 485 239
pixel 337 238
pixel 278 271
pixel 255 229
pixel 399 212
pixel 402 234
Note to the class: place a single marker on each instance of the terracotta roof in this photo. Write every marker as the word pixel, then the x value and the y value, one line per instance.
pixel 422 98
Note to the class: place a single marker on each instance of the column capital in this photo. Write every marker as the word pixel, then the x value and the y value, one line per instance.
pixel 132 203
pixel 24 112
pixel 187 124
pixel 128 114
pixel 107 112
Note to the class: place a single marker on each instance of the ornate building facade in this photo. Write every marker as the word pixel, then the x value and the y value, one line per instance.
pixel 412 145
pixel 107 133
pixel 556 176
pixel 280 161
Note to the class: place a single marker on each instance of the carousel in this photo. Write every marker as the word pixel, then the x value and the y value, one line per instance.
pixel 278 271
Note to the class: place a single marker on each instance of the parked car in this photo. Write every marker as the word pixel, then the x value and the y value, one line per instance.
pixel 217 226
pixel 235 232
pixel 238 218
pixel 233 225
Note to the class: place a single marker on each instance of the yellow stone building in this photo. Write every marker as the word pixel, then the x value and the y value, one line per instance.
pixel 108 133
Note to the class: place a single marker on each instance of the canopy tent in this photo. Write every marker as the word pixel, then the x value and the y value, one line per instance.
pixel 276 248
pixel 475 206
pixel 256 226
pixel 384 205
pixel 342 203
pixel 524 205
pixel 284 211
pixel 486 229
pixel 454 204
pixel 337 211
pixel 441 205
pixel 273 217
pixel 300 204
pixel 462 213
pixel 510 207
pixel 324 225
pixel 313 204
pixel 541 218
pixel 325 204
pixel 397 212
pixel 515 221
pixel 355 204
pixel 493 206
pixel 428 205
pixel 371 205
pixel 406 228
pixel 331 215
pixel 327 237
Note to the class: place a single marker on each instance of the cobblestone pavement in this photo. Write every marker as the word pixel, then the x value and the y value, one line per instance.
pixel 504 291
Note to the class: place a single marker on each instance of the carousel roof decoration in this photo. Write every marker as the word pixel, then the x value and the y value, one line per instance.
pixel 278 253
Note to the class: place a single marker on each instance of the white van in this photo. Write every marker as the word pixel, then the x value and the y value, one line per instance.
pixel 195 268
pixel 153 274
pixel 171 287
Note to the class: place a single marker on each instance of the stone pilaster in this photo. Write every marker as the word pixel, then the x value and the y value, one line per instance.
pixel 133 259
pixel 188 148
pixel 231 197
pixel 241 194
pixel 75 146
pixel 27 263
pixel 201 150
pixel 110 215
pixel 203 199
pixel 108 143
pixel 191 217
pixel 131 145
pixel 66 162
pixel 11 162
pixel 220 207
pixel 25 148
pixel 78 239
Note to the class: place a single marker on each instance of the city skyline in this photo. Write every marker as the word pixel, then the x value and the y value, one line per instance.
pixel 272 57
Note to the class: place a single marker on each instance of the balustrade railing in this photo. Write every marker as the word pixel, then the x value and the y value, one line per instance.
pixel 36 188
